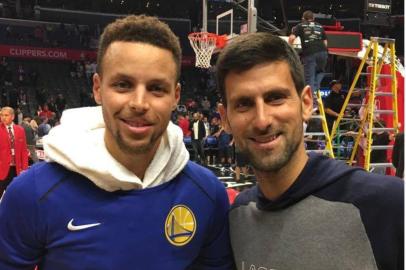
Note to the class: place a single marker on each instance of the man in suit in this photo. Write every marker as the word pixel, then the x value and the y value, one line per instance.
pixel 13 148
pixel 198 136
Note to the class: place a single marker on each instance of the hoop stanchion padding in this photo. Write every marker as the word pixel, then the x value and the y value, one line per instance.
pixel 203 44
pixel 221 41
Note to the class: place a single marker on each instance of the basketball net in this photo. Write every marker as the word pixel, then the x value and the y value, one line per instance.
pixel 203 44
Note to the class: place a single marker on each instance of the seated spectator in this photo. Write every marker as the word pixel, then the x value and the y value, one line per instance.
pixel 44 127
pixel 34 123
pixel 45 112
pixel 60 104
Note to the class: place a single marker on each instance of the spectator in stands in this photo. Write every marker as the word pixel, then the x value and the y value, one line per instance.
pixel 3 67
pixel 183 123
pixel 214 125
pixel 191 105
pixel 51 103
pixel 10 33
pixel 225 147
pixel 79 70
pixel 357 217
pixel 60 104
pixel 30 136
pixel 44 127
pixel 19 118
pixel 93 67
pixel 23 101
pixel 4 62
pixel 8 77
pixel 333 103
pixel 34 123
pixel 13 149
pixel 85 98
pixel 73 69
pixel 314 48
pixel 41 95
pixel 89 72
pixel 34 78
pixel 120 178
pixel 398 154
pixel 45 112
pixel 3 97
pixel 39 34
pixel 21 75
pixel 206 124
pixel 205 104
pixel 198 132
pixel 13 98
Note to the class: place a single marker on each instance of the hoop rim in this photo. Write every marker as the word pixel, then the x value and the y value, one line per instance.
pixel 201 35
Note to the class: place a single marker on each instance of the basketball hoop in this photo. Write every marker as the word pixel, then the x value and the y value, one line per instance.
pixel 203 44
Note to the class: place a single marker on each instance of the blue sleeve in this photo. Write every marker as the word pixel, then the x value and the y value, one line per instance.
pixel 217 254
pixel 19 245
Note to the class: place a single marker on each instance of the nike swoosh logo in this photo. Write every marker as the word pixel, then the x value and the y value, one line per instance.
pixel 72 227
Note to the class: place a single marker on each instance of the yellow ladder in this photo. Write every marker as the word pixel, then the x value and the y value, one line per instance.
pixel 328 150
pixel 367 121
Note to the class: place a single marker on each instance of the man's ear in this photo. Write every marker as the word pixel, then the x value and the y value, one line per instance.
pixel 307 103
pixel 177 96
pixel 223 116
pixel 96 88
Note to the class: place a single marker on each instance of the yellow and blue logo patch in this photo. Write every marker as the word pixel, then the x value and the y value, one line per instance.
pixel 180 225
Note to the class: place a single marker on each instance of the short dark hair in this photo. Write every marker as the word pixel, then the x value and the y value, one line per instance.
pixel 140 28
pixel 308 15
pixel 249 50
pixel 334 82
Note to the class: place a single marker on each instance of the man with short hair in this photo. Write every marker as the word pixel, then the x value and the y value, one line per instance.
pixel 13 149
pixel 31 137
pixel 306 211
pixel 198 132
pixel 314 48
pixel 119 191
pixel 333 103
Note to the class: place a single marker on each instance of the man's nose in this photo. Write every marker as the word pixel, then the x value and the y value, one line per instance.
pixel 263 118
pixel 139 102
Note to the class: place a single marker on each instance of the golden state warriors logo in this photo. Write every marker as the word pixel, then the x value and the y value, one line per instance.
pixel 180 225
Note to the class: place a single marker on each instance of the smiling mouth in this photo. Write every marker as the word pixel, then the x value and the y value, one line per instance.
pixel 137 124
pixel 265 139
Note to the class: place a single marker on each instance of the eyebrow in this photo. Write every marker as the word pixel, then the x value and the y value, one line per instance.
pixel 124 76
pixel 121 76
pixel 273 91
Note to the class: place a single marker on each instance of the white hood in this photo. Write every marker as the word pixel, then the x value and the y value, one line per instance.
pixel 78 144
